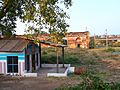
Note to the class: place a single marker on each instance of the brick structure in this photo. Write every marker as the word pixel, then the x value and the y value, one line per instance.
pixel 78 39
pixel 72 39
pixel 112 40
pixel 44 37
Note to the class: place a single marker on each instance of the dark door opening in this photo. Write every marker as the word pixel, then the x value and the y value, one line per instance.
pixel 28 62
pixel 33 62
pixel 37 59
pixel 78 45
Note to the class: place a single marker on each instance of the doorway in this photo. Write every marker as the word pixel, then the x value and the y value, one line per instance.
pixel 33 62
pixel 28 62
pixel 78 45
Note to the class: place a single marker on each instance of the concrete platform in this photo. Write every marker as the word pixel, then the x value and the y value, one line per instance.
pixel 45 70
pixel 50 70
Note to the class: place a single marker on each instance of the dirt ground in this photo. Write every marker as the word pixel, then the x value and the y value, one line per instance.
pixel 108 67
pixel 13 83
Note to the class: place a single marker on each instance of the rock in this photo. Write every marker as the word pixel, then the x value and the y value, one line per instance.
pixel 79 70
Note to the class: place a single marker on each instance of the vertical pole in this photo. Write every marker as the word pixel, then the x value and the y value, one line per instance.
pixel 57 63
pixel 30 62
pixel 63 56
pixel 94 41
pixel 40 53
pixel 106 40
pixel 26 58
pixel 12 67
pixel 86 28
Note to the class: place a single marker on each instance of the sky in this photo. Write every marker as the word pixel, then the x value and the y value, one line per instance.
pixel 94 16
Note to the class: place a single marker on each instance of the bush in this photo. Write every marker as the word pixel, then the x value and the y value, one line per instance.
pixel 91 82
pixel 71 59
pixel 50 59
pixel 79 70
pixel 110 50
pixel 44 52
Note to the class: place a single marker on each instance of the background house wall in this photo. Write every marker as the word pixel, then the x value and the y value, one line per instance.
pixel 72 39
pixel 78 39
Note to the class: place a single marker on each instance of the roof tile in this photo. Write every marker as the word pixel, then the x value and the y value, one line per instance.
pixel 13 45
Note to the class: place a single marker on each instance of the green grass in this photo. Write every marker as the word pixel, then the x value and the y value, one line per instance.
pixel 110 49
pixel 92 82
pixel 76 57
pixel 92 61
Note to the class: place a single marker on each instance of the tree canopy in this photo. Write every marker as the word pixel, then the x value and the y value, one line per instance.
pixel 42 13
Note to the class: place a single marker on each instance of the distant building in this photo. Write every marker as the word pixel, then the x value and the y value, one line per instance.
pixel 78 39
pixel 72 39
pixel 112 40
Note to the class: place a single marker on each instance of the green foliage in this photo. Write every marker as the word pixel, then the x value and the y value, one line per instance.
pixel 71 59
pixel 110 49
pixel 43 32
pixel 92 82
pixel 41 13
pixel 76 57
pixel 100 43
pixel 92 43
pixel 49 59
pixel 9 11
pixel 49 56
pixel 44 52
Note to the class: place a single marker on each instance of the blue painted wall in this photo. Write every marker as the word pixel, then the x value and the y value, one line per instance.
pixel 21 56
pixel 3 56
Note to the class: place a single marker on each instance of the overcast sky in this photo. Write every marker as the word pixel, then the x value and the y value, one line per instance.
pixel 96 15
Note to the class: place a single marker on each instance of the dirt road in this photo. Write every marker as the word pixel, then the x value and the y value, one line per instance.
pixel 34 83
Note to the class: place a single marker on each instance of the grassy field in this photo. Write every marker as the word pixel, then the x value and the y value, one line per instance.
pixel 100 63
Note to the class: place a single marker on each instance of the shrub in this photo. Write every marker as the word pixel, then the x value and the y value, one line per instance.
pixel 71 59
pixel 79 70
pixel 110 50
pixel 48 59
pixel 44 52
pixel 68 59
pixel 91 82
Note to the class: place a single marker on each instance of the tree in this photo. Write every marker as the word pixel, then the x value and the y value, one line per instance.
pixel 92 43
pixel 42 13
pixel 9 11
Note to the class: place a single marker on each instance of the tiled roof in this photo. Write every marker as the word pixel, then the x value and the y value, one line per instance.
pixel 77 33
pixel 53 44
pixel 16 45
